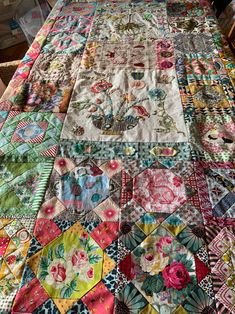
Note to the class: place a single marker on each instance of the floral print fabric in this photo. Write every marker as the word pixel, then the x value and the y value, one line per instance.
pixel 117 163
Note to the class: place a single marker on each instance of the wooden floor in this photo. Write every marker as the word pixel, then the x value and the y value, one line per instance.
pixel 16 52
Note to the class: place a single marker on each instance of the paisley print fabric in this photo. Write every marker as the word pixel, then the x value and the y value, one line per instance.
pixel 117 179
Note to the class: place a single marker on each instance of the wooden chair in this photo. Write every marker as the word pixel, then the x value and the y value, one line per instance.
pixel 231 36
pixel 2 87
pixel 51 3
pixel 7 70
pixel 219 6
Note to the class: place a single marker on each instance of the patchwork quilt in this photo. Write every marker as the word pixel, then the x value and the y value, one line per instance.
pixel 117 177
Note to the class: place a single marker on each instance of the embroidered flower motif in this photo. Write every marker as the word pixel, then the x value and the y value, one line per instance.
pixel 137 75
pixel 129 97
pixel 141 111
pixel 176 276
pixel 101 86
pixel 78 130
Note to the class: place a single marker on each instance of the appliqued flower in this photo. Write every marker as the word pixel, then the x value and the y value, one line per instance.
pixel 138 84
pixel 92 109
pixel 166 64
pixel 98 101
pixel 129 97
pixel 157 94
pixel 101 86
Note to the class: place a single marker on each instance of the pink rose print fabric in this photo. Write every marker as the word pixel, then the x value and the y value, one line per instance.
pixel 176 276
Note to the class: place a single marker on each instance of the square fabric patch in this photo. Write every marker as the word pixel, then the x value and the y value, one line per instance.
pixel 14 243
pixel 37 133
pixel 55 68
pixel 216 182
pixel 200 67
pixel 75 19
pixel 201 43
pixel 125 106
pixel 29 132
pixel 213 136
pixel 187 9
pixel 66 42
pixel 220 240
pixel 188 25
pixel 155 54
pixel 21 188
pixel 80 187
pixel 40 95
pixel 117 22
pixel 209 96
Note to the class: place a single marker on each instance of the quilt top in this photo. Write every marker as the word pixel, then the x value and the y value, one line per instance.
pixel 117 180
